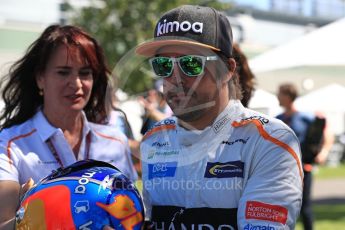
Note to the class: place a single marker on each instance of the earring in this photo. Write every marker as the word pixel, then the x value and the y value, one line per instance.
pixel 40 92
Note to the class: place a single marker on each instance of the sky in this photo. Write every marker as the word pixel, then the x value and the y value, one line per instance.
pixel 44 11
pixel 47 11
pixel 39 11
pixel 265 4
pixel 261 4
pixel 325 8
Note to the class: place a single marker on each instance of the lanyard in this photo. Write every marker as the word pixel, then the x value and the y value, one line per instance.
pixel 56 155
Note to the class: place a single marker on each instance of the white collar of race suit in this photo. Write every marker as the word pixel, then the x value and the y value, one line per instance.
pixel 219 126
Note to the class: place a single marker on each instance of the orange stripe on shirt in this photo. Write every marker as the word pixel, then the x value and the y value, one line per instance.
pixel 15 139
pixel 109 137
pixel 266 136
pixel 158 129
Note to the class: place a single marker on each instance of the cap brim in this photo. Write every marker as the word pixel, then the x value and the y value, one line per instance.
pixel 150 49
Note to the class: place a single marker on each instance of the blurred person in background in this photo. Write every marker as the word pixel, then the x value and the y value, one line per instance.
pixel 315 142
pixel 214 164
pixel 117 119
pixel 156 107
pixel 54 97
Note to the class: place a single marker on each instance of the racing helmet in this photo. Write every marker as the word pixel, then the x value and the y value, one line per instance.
pixel 88 194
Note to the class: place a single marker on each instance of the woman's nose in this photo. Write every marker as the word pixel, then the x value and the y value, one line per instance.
pixel 75 81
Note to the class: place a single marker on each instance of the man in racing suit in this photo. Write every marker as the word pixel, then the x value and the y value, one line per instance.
pixel 216 165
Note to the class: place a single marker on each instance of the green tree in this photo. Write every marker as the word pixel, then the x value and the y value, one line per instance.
pixel 120 25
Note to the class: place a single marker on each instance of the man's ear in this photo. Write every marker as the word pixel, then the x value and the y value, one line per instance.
pixel 231 71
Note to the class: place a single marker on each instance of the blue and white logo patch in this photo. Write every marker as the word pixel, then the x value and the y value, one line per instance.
pixel 224 170
pixel 162 169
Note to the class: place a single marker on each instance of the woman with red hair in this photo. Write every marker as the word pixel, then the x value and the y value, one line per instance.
pixel 54 97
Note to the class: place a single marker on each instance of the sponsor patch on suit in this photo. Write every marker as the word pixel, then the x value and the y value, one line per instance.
pixel 224 170
pixel 162 169
pixel 267 212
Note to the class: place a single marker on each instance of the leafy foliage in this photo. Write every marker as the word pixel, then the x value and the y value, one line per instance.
pixel 120 25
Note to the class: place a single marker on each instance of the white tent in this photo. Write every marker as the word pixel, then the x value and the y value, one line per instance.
pixel 324 46
pixel 264 102
pixel 329 101
pixel 328 98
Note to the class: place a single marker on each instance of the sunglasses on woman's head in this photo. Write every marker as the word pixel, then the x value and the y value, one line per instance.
pixel 191 65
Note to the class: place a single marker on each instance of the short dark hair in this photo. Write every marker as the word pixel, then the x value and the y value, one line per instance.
pixel 20 92
pixel 245 75
pixel 234 86
pixel 290 90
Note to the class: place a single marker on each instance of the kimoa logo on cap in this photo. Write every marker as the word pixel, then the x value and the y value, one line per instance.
pixel 175 26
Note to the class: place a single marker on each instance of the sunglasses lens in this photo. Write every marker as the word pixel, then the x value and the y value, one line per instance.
pixel 162 66
pixel 191 65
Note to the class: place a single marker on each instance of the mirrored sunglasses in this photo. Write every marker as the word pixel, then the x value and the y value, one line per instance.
pixel 191 65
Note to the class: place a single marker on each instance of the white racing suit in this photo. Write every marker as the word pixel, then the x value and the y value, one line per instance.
pixel 243 172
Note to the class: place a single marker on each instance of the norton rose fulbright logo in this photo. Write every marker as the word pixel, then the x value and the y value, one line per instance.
pixel 268 212
pixel 175 26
